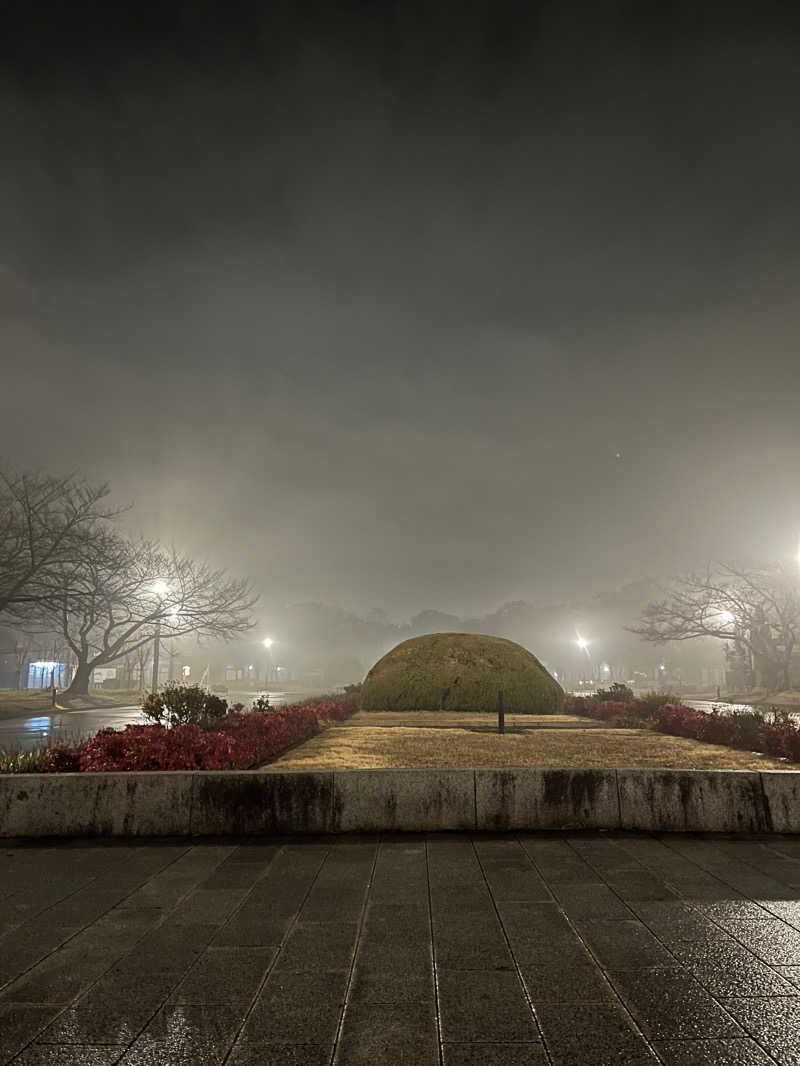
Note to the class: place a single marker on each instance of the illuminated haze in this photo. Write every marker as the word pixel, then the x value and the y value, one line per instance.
pixel 365 302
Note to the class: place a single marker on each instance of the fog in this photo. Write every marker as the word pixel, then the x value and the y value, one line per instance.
pixel 403 310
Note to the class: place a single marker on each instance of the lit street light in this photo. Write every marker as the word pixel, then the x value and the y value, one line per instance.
pixel 583 644
pixel 268 642
pixel 160 588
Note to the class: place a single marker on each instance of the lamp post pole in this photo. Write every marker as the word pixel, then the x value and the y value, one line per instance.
pixel 160 588
pixel 268 642
pixel 156 646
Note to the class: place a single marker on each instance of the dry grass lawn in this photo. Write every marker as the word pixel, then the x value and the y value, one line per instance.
pixel 18 703
pixel 465 718
pixel 355 747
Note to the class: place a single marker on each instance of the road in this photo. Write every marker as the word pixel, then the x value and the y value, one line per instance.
pixel 72 726
pixel 68 726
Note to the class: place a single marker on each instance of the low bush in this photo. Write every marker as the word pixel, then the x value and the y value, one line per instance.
pixel 654 700
pixel 747 730
pixel 178 704
pixel 618 693
pixel 633 712
pixel 22 762
pixel 61 760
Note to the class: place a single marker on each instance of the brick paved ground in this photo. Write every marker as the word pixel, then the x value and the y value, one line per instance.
pixel 534 949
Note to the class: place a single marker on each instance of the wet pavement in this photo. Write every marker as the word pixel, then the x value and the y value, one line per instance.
pixel 68 727
pixel 567 949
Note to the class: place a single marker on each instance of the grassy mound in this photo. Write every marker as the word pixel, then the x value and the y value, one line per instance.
pixel 460 672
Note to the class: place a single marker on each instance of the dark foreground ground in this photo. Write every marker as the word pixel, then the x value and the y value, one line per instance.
pixel 531 949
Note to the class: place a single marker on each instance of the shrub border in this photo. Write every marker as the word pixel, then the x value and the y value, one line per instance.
pixel 749 731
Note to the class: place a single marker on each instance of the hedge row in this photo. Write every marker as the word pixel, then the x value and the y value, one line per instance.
pixel 236 742
pixel 747 730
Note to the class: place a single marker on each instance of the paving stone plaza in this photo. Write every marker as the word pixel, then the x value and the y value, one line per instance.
pixel 455 949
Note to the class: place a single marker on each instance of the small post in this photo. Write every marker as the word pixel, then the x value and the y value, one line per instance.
pixel 53 696
pixel 501 718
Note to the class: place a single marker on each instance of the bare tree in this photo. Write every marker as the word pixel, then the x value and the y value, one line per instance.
pixel 44 522
pixel 22 653
pixel 125 595
pixel 757 611
pixel 135 664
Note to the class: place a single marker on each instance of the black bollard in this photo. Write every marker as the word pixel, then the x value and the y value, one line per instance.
pixel 501 718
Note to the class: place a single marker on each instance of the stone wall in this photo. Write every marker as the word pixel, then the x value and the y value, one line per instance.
pixel 252 802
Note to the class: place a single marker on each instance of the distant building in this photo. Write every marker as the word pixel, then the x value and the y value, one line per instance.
pixel 46 672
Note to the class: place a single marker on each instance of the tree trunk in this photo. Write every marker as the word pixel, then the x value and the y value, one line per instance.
pixel 79 686
pixel 786 682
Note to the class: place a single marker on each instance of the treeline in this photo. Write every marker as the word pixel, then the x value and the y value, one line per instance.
pixel 343 644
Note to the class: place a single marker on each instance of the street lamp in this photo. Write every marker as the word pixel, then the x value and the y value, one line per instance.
pixel 268 642
pixel 583 644
pixel 160 588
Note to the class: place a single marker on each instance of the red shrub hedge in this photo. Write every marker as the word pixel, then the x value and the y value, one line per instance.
pixel 236 742
pixel 606 710
pixel 61 760
pixel 749 731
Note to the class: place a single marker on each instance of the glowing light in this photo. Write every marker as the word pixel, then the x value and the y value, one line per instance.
pixel 267 642
pixel 160 588
pixel 187 671
pixel 726 617
pixel 582 644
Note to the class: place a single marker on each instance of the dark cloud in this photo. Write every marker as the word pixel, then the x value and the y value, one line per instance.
pixel 366 299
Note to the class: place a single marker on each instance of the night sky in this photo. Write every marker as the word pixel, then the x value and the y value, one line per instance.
pixel 410 305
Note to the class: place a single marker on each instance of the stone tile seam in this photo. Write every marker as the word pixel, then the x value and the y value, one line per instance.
pixel 359 936
pixel 273 964
pixel 517 969
pixel 607 970
pixel 65 1008
pixel 575 927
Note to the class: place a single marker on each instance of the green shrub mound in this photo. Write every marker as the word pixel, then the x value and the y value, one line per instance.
pixel 460 672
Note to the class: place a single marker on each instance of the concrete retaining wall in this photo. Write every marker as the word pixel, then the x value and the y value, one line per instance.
pixel 253 802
